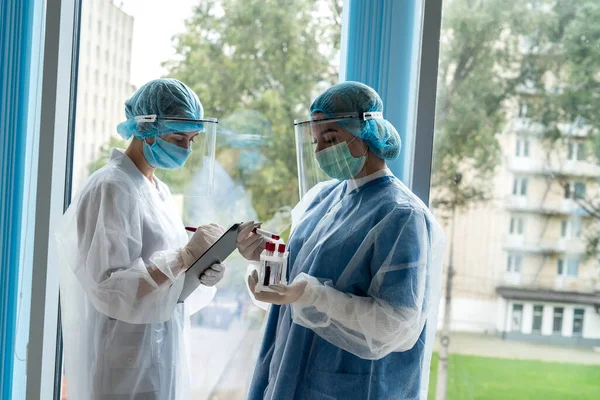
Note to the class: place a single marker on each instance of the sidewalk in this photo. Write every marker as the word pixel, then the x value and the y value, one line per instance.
pixel 491 346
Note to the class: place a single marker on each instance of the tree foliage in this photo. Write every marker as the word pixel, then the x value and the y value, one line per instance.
pixel 480 68
pixel 264 56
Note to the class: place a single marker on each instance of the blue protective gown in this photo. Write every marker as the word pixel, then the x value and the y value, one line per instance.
pixel 378 246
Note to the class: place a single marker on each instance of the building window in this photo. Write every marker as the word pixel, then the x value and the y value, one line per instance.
pixel 578 321
pixel 579 192
pixel 572 267
pixel 523 109
pixel 538 317
pixel 571 228
pixel 517 318
pixel 576 151
pixel 575 190
pixel 514 263
pixel 517 225
pixel 522 149
pixel 558 320
pixel 560 267
pixel 520 187
pixel 567 267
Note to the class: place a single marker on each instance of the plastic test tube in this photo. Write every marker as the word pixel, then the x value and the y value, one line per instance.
pixel 266 234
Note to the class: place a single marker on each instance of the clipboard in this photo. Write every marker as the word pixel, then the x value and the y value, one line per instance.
pixel 217 253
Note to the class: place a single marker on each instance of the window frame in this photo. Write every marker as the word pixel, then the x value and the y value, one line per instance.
pixel 575 319
pixel 555 315
pixel 520 186
pixel 541 319
pixel 514 263
pixel 56 101
pixel 62 22
pixel 516 307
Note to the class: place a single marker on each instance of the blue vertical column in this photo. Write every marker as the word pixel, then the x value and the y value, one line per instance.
pixel 16 27
pixel 380 47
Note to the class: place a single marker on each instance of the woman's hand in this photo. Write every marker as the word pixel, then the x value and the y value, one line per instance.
pixel 286 294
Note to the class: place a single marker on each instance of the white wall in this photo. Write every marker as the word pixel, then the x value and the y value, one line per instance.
pixel 527 318
pixel 548 319
pixel 591 323
pixel 567 328
pixel 471 315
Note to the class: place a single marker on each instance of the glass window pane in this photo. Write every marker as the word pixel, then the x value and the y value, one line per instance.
pixel 557 320
pixel 560 267
pixel 531 170
pixel 573 267
pixel 578 316
pixel 538 315
pixel 582 154
pixel 517 317
pixel 521 225
pixel 579 190
pixel 524 183
pixel 256 66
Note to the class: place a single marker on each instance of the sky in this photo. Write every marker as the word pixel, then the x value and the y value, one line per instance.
pixel 155 23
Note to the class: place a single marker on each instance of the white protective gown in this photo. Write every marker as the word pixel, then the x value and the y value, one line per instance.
pixel 125 336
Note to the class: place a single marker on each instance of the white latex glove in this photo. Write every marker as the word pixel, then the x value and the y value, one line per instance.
pixel 203 238
pixel 286 294
pixel 213 275
pixel 250 244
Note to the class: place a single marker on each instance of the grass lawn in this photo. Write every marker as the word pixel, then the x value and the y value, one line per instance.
pixel 482 378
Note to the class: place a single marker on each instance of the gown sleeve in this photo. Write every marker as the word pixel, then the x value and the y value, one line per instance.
pixel 393 314
pixel 100 238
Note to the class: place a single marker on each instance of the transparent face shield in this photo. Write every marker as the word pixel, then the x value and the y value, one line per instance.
pixel 326 149
pixel 184 158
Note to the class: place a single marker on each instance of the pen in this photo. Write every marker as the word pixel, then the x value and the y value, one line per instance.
pixel 192 229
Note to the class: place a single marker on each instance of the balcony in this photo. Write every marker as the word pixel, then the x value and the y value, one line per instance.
pixel 579 129
pixel 565 208
pixel 569 168
pixel 546 247
pixel 589 297
pixel 526 126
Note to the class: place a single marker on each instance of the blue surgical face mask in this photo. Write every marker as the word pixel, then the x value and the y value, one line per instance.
pixel 165 155
pixel 338 162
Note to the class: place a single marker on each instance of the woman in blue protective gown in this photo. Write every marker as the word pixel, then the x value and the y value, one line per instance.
pixel 357 320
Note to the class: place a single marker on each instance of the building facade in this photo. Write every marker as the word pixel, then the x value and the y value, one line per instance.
pixel 521 270
pixel 103 83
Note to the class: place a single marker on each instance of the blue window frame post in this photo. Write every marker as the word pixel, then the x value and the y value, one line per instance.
pixel 393 46
pixel 17 32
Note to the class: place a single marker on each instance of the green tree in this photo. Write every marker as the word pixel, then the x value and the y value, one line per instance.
pixel 566 99
pixel 480 68
pixel 266 56
pixel 104 154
